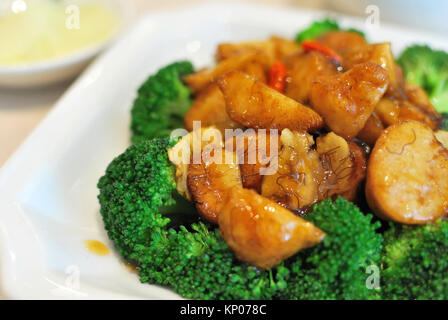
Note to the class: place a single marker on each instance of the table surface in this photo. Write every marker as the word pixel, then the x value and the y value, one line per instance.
pixel 22 110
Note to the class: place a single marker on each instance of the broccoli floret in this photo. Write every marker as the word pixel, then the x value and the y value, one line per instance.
pixel 161 103
pixel 318 28
pixel 336 268
pixel 136 185
pixel 414 262
pixel 429 69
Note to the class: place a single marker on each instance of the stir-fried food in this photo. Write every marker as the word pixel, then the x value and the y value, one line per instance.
pixel 210 182
pixel 257 154
pixel 338 92
pixel 379 53
pixel 344 163
pixel 342 41
pixel 262 232
pixel 302 68
pixel 205 77
pixel 347 100
pixel 255 105
pixel 209 108
pixel 283 138
pixel 299 180
pixel 407 177
pixel 273 49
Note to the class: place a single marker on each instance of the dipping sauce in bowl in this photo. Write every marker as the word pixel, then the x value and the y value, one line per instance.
pixel 38 30
pixel 44 42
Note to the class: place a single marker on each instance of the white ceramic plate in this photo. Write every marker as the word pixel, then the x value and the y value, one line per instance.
pixel 48 204
pixel 64 68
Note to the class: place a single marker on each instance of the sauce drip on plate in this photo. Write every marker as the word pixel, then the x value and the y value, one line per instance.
pixel 96 247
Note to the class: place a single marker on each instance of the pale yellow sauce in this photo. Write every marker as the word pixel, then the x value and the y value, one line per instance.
pixel 96 247
pixel 46 29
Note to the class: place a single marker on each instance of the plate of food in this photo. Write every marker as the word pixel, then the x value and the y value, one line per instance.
pixel 276 154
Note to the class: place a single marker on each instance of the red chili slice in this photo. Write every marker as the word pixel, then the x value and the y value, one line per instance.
pixel 277 76
pixel 313 45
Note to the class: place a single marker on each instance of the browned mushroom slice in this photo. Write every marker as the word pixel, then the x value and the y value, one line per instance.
pixel 334 153
pixel 388 110
pixel 256 70
pixel 409 111
pixel 442 136
pixel 340 41
pixel 229 50
pixel 358 172
pixel 299 181
pixel 255 150
pixel 372 130
pixel 210 109
pixel 418 97
pixel 189 149
pixel 379 53
pixel 255 105
pixel 261 232
pixel 344 163
pixel 209 183
pixel 201 79
pixel 302 68
pixel 273 49
pixel 284 47
pixel 347 101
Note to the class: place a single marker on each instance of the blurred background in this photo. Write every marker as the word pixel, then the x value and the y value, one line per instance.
pixel 23 105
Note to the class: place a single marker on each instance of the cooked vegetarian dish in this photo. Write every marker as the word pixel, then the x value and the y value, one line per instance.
pixel 289 145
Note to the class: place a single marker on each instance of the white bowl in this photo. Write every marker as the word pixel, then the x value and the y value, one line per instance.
pixel 63 68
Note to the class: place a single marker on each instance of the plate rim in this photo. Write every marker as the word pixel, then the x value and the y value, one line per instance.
pixel 12 169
